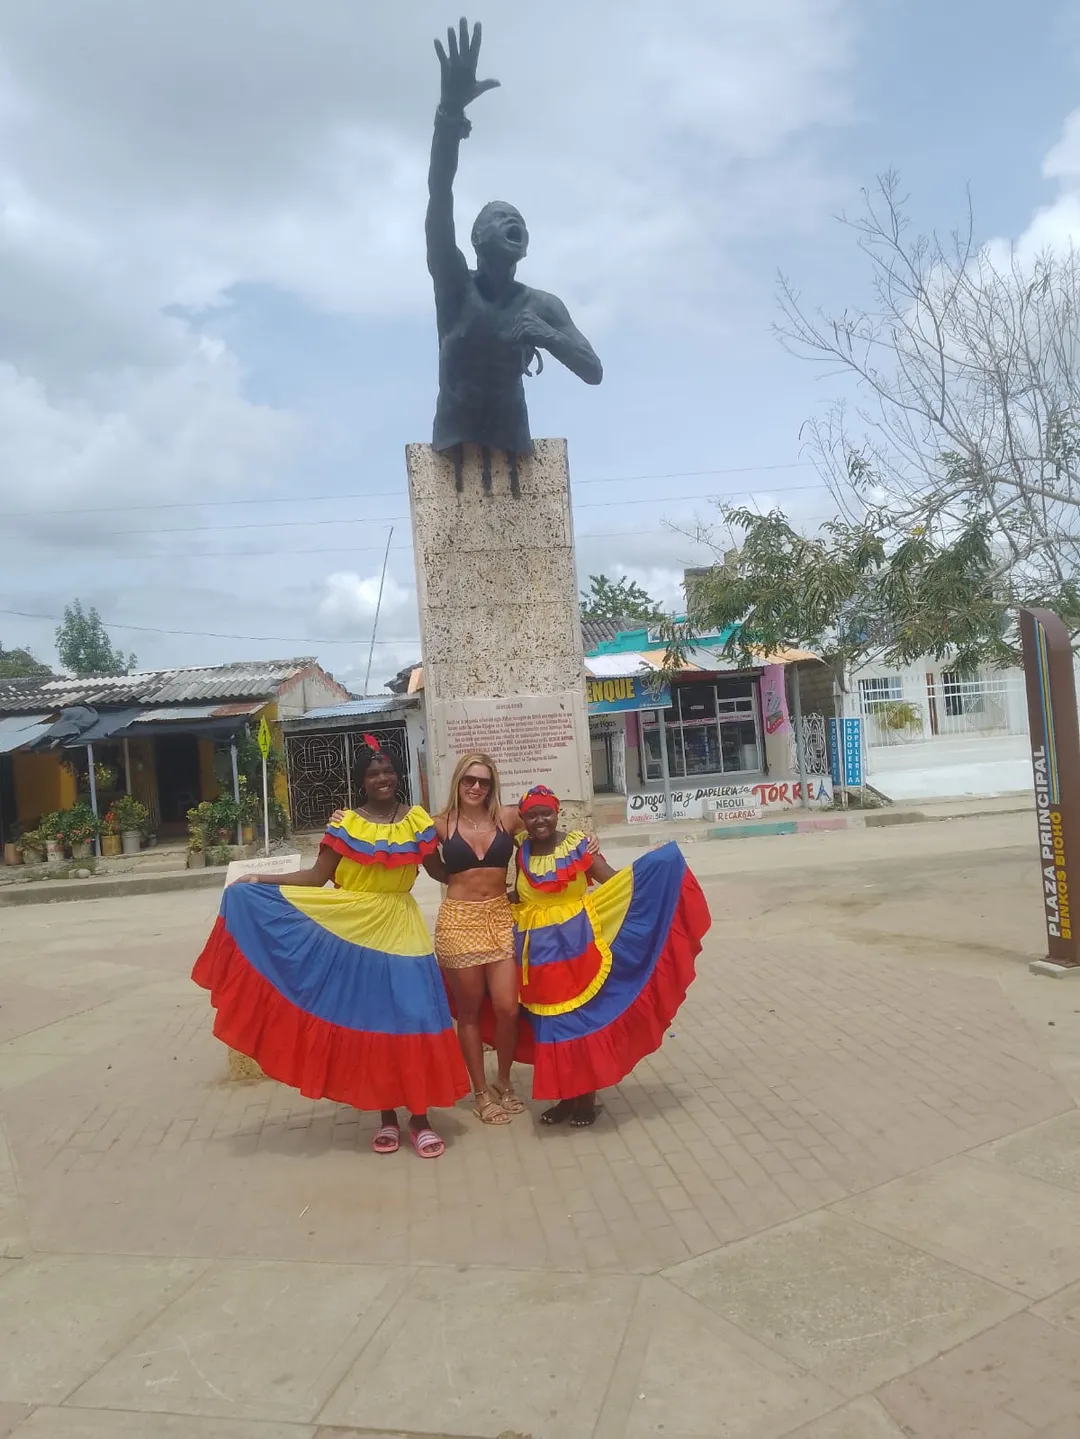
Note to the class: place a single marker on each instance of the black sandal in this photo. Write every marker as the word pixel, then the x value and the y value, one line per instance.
pixel 584 1115
pixel 558 1112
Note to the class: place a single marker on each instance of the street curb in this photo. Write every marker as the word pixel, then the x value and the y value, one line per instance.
pixel 829 822
pixel 63 891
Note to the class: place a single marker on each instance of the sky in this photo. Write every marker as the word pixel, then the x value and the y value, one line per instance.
pixel 216 325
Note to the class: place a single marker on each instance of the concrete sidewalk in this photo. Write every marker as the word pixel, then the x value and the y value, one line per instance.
pixel 840 1203
pixel 622 837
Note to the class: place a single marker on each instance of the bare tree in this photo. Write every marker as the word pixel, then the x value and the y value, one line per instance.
pixel 966 405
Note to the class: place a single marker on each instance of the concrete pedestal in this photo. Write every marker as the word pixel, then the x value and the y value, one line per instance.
pixel 242 1069
pixel 504 670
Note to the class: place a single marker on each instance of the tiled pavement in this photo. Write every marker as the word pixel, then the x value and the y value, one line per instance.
pixel 841 1203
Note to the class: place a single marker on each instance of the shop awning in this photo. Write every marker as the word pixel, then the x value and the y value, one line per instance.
pixel 201 721
pixel 18 731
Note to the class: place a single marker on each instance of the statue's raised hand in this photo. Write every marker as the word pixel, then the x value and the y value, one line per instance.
pixel 460 87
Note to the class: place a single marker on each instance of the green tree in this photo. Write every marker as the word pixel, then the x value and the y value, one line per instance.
pixel 620 599
pixel 20 664
pixel 852 593
pixel 84 647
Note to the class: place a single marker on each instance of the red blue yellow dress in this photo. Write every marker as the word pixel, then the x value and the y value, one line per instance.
pixel 336 992
pixel 603 971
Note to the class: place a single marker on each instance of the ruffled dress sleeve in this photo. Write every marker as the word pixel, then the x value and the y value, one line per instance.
pixel 408 842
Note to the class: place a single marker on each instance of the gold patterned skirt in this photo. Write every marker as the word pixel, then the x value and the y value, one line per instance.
pixel 474 931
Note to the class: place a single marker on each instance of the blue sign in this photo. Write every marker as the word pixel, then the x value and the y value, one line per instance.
pixel 846 769
pixel 606 697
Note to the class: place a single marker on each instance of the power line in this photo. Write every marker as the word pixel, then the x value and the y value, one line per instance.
pixel 400 519
pixel 214 635
pixel 386 494
pixel 354 549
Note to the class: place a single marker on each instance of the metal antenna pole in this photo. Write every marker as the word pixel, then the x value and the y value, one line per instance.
pixel 378 607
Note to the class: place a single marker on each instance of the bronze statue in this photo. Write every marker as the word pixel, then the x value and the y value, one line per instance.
pixel 491 327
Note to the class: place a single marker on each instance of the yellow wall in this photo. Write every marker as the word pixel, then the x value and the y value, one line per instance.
pixel 208 785
pixel 42 785
pixel 281 783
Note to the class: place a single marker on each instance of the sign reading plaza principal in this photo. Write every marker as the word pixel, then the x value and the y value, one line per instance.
pixel 1055 760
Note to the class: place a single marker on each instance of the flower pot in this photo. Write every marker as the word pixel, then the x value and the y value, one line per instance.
pixel 81 850
pixel 131 841
pixel 110 846
pixel 196 859
pixel 12 855
pixel 33 856
pixel 247 834
pixel 54 851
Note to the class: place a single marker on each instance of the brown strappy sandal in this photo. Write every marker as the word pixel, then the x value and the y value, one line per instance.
pixel 508 1099
pixel 488 1111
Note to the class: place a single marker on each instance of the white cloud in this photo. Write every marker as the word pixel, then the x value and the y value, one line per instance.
pixel 1057 225
pixel 350 601
pixel 153 158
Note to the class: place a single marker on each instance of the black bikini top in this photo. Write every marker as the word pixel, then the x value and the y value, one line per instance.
pixel 459 855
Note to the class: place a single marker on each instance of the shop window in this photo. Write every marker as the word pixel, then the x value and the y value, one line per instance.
pixel 711 728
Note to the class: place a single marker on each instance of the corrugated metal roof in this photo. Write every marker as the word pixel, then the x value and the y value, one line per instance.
pixel 195 712
pixel 598 632
pixel 374 704
pixel 18 730
pixel 611 667
pixel 243 680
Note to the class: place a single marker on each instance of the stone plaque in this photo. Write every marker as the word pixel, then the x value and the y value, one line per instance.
pixel 532 738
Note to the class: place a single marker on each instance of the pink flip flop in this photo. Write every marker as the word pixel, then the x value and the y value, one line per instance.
pixel 386 1140
pixel 427 1143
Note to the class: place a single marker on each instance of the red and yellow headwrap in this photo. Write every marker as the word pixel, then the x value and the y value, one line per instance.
pixel 539 797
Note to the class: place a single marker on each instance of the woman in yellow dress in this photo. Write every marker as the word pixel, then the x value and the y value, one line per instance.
pixel 336 992
pixel 602 970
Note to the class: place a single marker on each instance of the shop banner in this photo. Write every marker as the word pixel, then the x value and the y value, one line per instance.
pixel 721 801
pixel 620 695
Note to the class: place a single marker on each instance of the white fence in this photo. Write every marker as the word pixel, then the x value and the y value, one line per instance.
pixel 907 710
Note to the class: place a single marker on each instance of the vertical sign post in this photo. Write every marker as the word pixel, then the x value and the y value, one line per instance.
pixel 265 741
pixel 846 752
pixel 1055 759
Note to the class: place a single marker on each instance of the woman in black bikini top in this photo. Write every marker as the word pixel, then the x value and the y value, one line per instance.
pixel 474 933
pixel 459 856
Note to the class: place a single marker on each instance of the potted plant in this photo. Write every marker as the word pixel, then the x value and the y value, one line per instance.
pixel 12 852
pixel 250 812
pixel 200 826
pixel 225 817
pixel 52 830
pixel 31 845
pixel 899 717
pixel 131 814
pixel 106 776
pixel 80 829
pixel 218 854
pixel 110 834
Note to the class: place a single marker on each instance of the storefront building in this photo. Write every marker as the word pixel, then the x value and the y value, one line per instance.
pixel 727 734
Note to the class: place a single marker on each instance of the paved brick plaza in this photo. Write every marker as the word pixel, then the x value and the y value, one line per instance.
pixel 840 1203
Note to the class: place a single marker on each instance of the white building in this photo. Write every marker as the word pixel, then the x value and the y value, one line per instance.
pixel 932 733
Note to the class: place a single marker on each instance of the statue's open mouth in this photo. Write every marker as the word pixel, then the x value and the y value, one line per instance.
pixel 515 236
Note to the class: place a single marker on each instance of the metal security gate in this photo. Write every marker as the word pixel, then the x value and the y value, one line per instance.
pixel 320 767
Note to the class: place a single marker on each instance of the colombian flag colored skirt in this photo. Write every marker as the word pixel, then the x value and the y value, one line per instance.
pixel 336 993
pixel 603 974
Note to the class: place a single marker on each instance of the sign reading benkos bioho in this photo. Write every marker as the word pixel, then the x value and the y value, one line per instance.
pixel 530 737
pixel 1055 759
pixel 631 692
